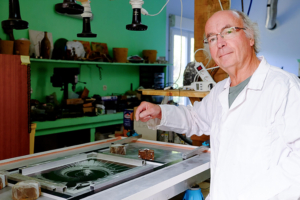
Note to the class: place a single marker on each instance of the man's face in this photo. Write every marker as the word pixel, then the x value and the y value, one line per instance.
pixel 231 52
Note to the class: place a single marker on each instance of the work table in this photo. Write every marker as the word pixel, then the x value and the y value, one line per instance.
pixel 166 181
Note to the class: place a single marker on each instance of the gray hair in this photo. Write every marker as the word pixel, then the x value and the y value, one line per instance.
pixel 251 29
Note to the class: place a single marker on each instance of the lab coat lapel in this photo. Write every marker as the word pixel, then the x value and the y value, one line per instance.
pixel 256 82
pixel 223 133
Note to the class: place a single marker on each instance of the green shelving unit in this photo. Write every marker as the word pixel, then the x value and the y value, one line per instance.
pixel 79 123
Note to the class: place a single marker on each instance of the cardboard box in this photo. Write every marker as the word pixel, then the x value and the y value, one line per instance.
pixel 88 105
pixel 74 101
pixel 142 128
pixel 89 109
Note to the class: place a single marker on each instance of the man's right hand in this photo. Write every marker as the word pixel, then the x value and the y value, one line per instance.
pixel 147 111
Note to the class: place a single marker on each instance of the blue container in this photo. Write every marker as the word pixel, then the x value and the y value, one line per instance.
pixel 128 119
pixel 193 194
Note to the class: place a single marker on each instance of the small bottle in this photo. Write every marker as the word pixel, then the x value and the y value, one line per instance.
pixel 45 47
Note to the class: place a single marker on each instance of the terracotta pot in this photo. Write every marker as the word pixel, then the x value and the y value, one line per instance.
pixel 22 47
pixel 150 55
pixel 120 54
pixel 6 47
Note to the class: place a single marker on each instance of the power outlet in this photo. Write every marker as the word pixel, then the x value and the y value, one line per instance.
pixel 104 87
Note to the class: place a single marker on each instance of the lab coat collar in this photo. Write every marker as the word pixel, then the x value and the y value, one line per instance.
pixel 258 78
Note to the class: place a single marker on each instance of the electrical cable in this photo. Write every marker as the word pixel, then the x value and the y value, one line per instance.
pixel 242 1
pixel 202 50
pixel 171 84
pixel 249 8
pixel 159 11
pixel 180 43
pixel 100 74
pixel 221 4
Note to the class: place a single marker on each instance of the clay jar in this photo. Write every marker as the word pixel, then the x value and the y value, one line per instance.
pixel 150 55
pixel 120 54
pixel 22 47
pixel 6 47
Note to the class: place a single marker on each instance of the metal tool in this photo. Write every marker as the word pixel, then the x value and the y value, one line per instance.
pixel 128 139
pixel 63 76
pixel 194 152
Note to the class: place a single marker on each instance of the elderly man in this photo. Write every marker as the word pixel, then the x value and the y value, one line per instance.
pixel 252 117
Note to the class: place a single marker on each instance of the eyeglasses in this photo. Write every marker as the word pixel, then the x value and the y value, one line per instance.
pixel 226 33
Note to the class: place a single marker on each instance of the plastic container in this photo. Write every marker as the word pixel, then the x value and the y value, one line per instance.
pixel 100 109
pixel 128 119
pixel 193 194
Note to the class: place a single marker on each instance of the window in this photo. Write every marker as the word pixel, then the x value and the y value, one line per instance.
pixel 187 52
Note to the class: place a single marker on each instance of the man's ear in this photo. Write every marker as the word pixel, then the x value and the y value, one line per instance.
pixel 251 42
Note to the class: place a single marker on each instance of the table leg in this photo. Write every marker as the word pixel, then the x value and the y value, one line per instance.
pixel 92 134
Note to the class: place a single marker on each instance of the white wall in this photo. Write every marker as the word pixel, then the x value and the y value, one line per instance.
pixel 281 46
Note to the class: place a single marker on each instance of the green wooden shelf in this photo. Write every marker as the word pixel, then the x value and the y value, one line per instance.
pixel 93 63
pixel 79 123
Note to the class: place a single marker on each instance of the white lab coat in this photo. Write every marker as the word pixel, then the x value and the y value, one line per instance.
pixel 255 144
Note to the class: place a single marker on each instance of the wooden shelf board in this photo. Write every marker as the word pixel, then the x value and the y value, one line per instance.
pixel 181 93
pixel 93 63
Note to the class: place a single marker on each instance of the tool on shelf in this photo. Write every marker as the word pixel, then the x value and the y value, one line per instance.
pixel 63 76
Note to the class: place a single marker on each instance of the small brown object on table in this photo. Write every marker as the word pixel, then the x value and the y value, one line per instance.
pixel 29 190
pixel 146 154
pixel 118 149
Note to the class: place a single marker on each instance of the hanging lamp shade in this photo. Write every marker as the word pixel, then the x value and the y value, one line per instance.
pixel 136 21
pixel 14 21
pixel 86 32
pixel 69 7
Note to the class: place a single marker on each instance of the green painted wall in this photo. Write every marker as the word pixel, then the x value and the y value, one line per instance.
pixel 110 19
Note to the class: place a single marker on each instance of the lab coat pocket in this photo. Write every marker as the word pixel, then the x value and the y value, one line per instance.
pixel 254 150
